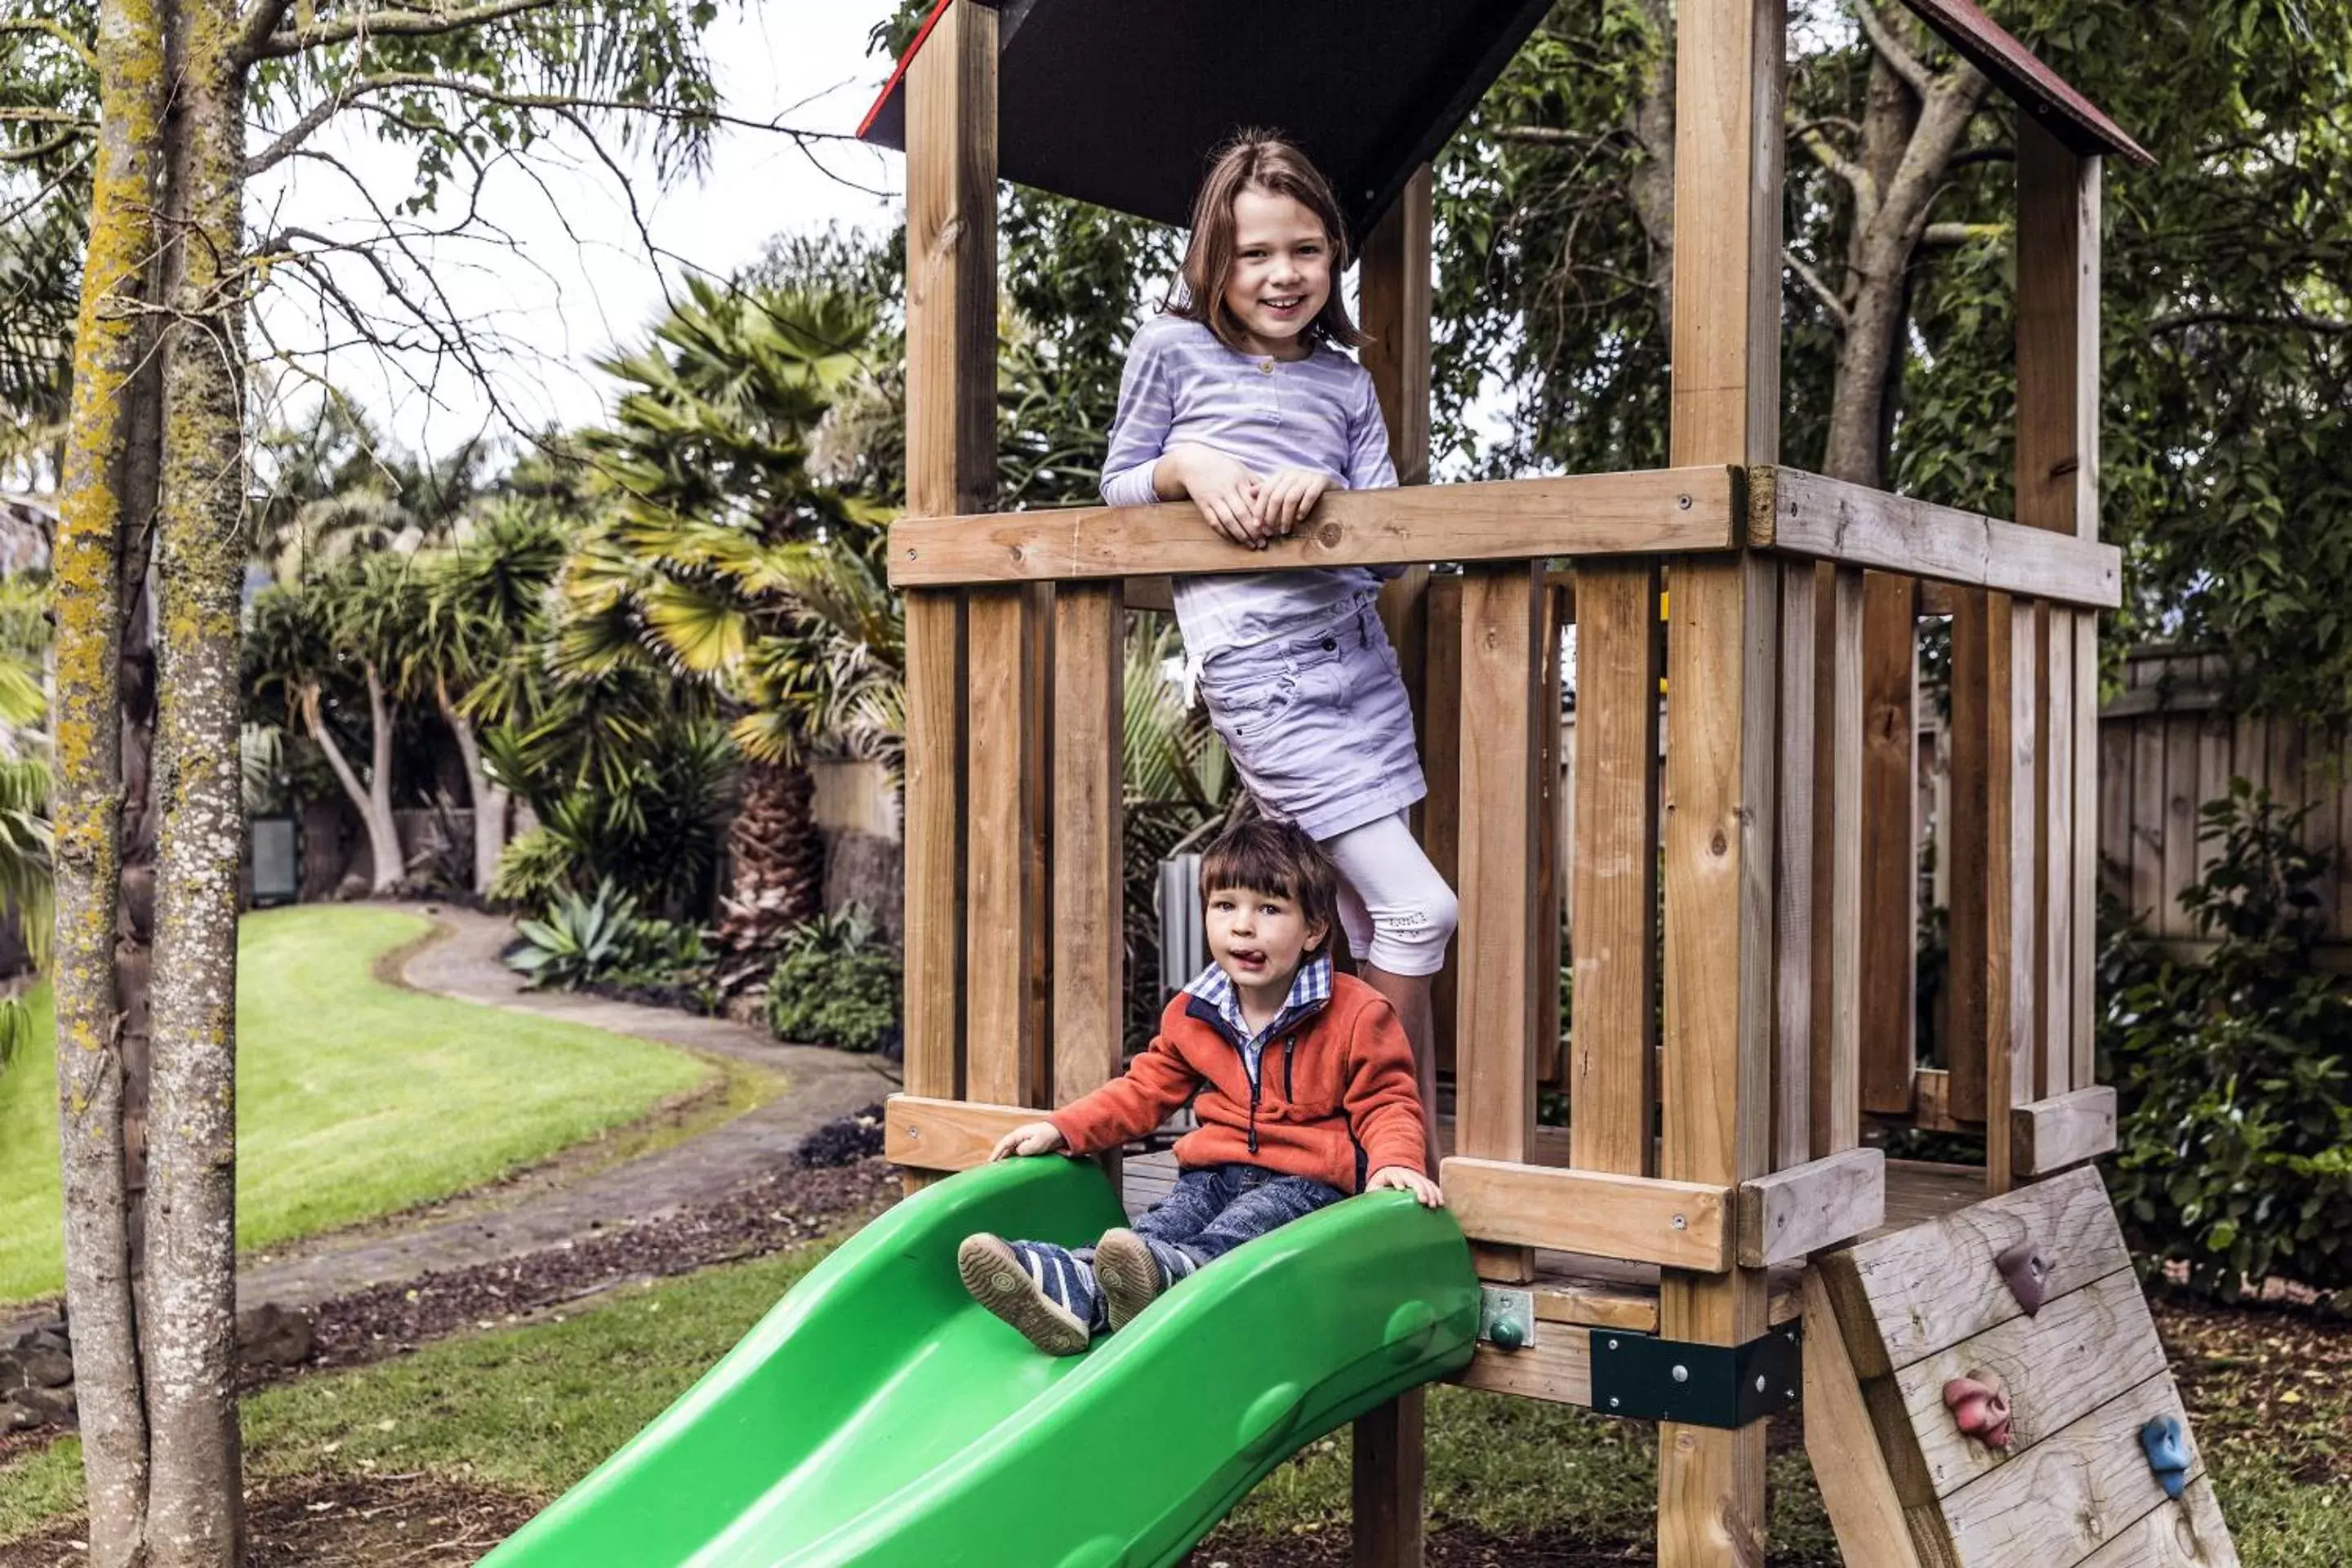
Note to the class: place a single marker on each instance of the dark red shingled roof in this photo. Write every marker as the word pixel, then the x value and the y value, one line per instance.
pixel 2038 90
pixel 1119 103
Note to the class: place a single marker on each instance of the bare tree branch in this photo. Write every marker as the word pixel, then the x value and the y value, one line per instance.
pixel 1890 47
pixel 2293 316
pixel 270 42
pixel 46 117
pixel 1547 136
pixel 1821 291
pixel 1951 234
pixel 80 46
pixel 318 114
pixel 40 150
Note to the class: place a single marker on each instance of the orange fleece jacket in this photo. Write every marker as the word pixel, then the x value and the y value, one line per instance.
pixel 1336 1099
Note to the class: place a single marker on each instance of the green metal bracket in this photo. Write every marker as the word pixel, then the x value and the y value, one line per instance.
pixel 1653 1379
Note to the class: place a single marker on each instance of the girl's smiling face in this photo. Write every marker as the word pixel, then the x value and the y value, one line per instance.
pixel 1281 274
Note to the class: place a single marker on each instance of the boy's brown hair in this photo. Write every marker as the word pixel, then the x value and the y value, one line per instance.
pixel 1259 159
pixel 1263 856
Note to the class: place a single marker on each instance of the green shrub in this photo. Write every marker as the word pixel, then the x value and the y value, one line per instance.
pixel 535 868
pixel 579 941
pixel 2235 1075
pixel 836 984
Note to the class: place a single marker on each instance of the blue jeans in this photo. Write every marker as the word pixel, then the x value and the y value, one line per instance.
pixel 1216 1209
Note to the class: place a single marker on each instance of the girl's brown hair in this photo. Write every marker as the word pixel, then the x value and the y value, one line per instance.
pixel 1263 856
pixel 1259 159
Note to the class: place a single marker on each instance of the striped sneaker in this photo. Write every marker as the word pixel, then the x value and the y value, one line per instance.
pixel 1040 1290
pixel 1130 1274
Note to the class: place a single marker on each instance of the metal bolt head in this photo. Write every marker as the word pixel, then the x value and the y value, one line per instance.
pixel 1788 1394
pixel 1760 1384
pixel 1682 1375
pixel 1612 1344
pixel 1683 502
pixel 1681 1223
pixel 1612 1402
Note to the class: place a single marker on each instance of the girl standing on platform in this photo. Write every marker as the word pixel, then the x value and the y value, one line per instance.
pixel 1239 399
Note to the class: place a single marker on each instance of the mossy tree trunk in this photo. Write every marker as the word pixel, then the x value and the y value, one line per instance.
pixel 102 482
pixel 195 1517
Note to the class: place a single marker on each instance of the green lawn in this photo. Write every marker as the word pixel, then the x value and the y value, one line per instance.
pixel 533 1408
pixel 354 1098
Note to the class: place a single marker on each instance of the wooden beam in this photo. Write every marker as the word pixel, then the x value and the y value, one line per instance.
pixel 1644 512
pixel 1830 520
pixel 1890 843
pixel 929 1134
pixel 2010 948
pixel 1390 1469
pixel 1441 763
pixel 1856 1488
pixel 1557 1368
pixel 1791 1213
pixel 951 470
pixel 1978 847
pixel 2058 195
pixel 1089 903
pixel 1502 620
pixel 1724 400
pixel 1641 1219
pixel 2048 1135
pixel 1614 1037
pixel 1838 916
pixel 2054 799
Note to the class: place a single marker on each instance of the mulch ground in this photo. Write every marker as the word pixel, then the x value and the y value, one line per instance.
pixel 338 1521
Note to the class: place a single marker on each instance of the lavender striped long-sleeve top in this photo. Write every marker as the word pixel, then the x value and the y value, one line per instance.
pixel 1320 413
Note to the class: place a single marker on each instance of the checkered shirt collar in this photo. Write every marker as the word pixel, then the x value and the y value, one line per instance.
pixel 1309 989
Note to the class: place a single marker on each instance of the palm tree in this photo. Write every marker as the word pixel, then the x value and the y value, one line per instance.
pixel 27 877
pixel 715 532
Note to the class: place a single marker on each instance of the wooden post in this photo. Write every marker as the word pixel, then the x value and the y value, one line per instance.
pixel 1731 78
pixel 1797 755
pixel 1389 1456
pixel 2058 193
pixel 950 471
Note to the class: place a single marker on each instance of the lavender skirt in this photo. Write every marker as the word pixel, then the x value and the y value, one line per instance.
pixel 1319 724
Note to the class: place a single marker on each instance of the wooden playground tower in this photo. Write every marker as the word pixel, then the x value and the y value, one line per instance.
pixel 1711 1184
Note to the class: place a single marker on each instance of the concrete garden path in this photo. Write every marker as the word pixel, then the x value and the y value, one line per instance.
pixel 464 963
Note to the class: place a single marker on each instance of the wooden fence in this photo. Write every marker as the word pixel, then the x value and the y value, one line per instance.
pixel 2168 743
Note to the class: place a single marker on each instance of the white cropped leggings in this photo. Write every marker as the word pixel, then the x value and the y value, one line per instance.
pixel 1397 910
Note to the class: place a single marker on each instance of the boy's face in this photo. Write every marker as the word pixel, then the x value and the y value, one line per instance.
pixel 1259 939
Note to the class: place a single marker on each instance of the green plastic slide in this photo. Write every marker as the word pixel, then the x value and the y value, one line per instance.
pixel 878 1416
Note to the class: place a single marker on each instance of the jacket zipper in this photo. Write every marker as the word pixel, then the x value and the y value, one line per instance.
pixel 1289 1046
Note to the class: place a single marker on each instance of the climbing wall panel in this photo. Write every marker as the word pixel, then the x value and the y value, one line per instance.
pixel 2017 1388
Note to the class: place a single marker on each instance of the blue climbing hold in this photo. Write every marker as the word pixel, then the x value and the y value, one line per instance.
pixel 2166 1443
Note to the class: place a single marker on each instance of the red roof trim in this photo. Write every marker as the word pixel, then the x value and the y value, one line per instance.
pixel 2023 76
pixel 898 72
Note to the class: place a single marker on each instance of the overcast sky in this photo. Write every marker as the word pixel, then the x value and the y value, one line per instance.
pixel 579 281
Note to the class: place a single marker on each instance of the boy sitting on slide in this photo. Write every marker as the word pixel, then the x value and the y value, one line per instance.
pixel 1306 1093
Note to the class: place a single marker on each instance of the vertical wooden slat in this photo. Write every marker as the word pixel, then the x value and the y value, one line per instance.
pixel 1551 889
pixel 2114 783
pixel 1792 1038
pixel 1004 894
pixel 950 471
pixel 1089 946
pixel 2177 866
pixel 1613 1035
pixel 1387 1477
pixel 1441 763
pixel 2147 891
pixel 1838 873
pixel 1979 883
pixel 2089 754
pixel 1890 841
pixel 2055 879
pixel 2010 1016
pixel 1730 80
pixel 1502 621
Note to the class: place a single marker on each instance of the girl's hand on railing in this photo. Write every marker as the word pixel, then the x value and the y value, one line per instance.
pixel 1226 491
pixel 1404 1179
pixel 1029 1138
pixel 1287 498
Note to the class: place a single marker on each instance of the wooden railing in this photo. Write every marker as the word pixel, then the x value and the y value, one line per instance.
pixel 1742 592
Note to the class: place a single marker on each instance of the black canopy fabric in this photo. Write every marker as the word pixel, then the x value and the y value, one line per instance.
pixel 1120 102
